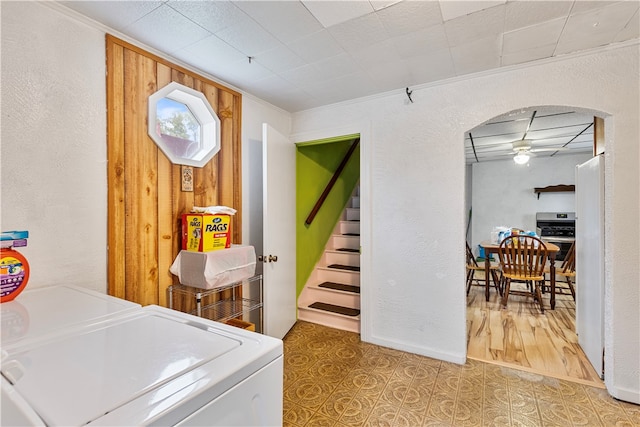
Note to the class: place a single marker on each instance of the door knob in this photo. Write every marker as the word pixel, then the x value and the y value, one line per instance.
pixel 262 258
pixel 273 258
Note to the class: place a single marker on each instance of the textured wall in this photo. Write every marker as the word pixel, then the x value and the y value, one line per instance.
pixel 417 183
pixel 54 144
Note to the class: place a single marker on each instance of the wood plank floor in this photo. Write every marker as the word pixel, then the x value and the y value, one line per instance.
pixel 521 337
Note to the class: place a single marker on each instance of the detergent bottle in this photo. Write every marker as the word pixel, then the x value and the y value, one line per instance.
pixel 14 268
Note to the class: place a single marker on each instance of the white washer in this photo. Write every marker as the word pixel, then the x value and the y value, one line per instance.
pixel 147 366
pixel 41 312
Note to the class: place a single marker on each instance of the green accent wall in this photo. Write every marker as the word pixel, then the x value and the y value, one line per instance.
pixel 316 161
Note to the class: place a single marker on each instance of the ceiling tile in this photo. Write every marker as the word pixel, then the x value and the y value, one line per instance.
pixel 286 20
pixel 554 136
pixel 381 4
pixel 454 9
pixel 330 13
pixel 387 76
pixel 176 30
pixel 248 37
pixel 237 73
pixel 213 16
pixel 279 59
pixel 532 37
pixel 595 27
pixel 303 76
pixel 476 26
pixel 414 70
pixel 631 31
pixel 520 14
pixel 278 91
pixel 316 46
pixel 550 119
pixel 376 54
pixel 349 86
pixel 421 42
pixel 580 6
pixel 522 56
pixel 115 17
pixel 274 82
pixel 478 55
pixel 245 71
pixel 214 50
pixel 409 16
pixel 359 33
pixel 210 54
pixel 337 66
pixel 432 67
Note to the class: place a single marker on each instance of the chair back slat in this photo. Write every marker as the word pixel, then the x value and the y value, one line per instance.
pixel 523 256
pixel 470 258
pixel 569 263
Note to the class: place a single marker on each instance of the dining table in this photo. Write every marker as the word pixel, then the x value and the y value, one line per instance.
pixel 492 248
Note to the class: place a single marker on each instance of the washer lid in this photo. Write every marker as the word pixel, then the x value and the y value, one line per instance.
pixel 75 379
pixel 44 311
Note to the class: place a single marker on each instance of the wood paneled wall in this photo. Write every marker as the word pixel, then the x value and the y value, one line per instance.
pixel 145 200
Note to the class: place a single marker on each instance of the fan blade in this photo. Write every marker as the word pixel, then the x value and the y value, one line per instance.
pixel 539 150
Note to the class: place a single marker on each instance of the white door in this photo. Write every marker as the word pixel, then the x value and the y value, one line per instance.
pixel 590 260
pixel 279 232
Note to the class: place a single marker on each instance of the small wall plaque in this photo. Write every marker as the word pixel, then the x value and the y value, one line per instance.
pixel 187 178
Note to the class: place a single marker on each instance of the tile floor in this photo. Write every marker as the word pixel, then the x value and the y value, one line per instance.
pixel 331 378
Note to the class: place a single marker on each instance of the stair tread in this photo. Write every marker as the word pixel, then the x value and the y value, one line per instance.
pixel 348 250
pixel 344 267
pixel 346 311
pixel 340 287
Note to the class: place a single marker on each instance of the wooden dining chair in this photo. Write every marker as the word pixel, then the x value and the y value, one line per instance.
pixel 523 258
pixel 473 267
pixel 566 270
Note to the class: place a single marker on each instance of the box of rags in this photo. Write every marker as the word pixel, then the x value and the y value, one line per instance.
pixel 205 232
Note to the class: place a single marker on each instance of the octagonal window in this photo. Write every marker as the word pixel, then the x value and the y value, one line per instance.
pixel 183 125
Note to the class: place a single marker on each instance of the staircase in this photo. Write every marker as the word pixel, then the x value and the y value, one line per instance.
pixel 331 296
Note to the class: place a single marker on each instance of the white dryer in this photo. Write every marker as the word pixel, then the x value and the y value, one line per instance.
pixel 144 366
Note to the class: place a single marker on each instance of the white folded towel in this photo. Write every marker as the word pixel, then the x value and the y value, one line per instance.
pixel 214 210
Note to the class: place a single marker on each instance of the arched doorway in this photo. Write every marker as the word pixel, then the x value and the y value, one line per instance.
pixel 500 193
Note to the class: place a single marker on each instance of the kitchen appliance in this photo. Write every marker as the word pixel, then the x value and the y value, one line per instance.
pixel 590 260
pixel 42 312
pixel 558 228
pixel 133 365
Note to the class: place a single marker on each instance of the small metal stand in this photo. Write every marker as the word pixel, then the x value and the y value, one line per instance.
pixel 223 309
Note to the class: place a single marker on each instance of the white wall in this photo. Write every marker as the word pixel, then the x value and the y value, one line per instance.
pixel 53 153
pixel 503 194
pixel 54 176
pixel 417 194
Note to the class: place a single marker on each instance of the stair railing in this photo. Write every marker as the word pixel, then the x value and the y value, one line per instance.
pixel 331 183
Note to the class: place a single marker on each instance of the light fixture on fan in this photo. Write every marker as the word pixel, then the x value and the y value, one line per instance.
pixel 521 158
pixel 522 149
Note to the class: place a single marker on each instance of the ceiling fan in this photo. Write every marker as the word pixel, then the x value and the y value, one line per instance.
pixel 523 150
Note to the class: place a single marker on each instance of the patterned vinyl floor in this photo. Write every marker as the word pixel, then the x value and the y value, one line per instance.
pixel 331 378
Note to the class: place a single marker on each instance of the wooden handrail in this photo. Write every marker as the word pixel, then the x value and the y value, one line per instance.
pixel 331 183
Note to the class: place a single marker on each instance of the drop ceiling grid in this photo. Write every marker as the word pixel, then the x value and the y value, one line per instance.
pixel 320 48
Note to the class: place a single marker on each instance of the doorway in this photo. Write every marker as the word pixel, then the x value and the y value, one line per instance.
pixel 500 193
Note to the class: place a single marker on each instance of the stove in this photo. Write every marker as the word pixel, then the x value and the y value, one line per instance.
pixel 558 228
